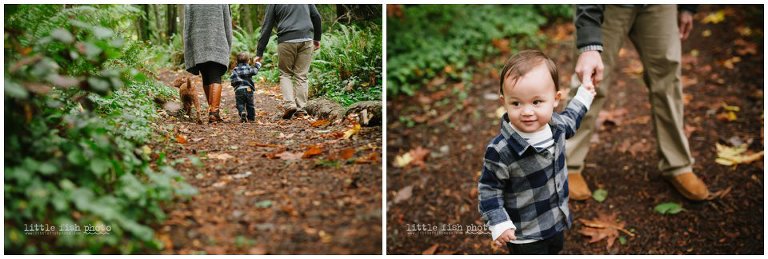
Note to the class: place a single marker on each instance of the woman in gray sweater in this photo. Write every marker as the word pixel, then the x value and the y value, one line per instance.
pixel 207 44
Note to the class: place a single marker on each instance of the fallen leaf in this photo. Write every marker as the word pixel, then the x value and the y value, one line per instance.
pixel 222 156
pixel 403 194
pixel 325 237
pixel 290 155
pixel 714 18
pixel 273 155
pixel 668 208
pixel 320 123
pixel 312 150
pixel 431 250
pixel 354 130
pixel 419 154
pixel 735 155
pixel 372 157
pixel 744 31
pixel 603 227
pixel 403 160
pixel 347 153
pixel 599 195
pixel 181 139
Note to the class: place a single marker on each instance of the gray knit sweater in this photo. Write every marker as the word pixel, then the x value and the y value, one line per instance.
pixel 295 21
pixel 207 35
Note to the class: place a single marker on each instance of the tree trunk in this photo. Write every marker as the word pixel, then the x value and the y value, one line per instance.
pixel 247 18
pixel 142 25
pixel 170 16
pixel 258 15
pixel 158 24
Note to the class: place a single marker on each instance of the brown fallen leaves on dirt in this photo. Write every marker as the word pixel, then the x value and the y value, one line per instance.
pixel 605 226
pixel 312 150
pixel 414 157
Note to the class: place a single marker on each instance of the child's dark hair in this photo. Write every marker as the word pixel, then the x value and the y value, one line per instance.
pixel 521 63
pixel 242 57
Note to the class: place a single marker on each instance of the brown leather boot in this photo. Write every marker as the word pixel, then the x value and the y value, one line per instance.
pixel 206 89
pixel 689 185
pixel 577 187
pixel 215 101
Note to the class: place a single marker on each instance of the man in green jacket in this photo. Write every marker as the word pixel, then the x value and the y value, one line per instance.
pixel 656 31
pixel 298 36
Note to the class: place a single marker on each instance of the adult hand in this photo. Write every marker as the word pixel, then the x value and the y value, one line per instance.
pixel 257 59
pixel 317 44
pixel 589 67
pixel 685 24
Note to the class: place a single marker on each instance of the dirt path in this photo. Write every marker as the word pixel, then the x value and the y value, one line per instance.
pixel 253 201
pixel 622 161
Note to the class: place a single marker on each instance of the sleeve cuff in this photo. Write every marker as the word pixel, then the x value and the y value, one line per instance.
pixel 583 96
pixel 597 48
pixel 497 229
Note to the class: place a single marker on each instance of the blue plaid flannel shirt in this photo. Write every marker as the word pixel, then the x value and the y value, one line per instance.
pixel 527 187
pixel 242 75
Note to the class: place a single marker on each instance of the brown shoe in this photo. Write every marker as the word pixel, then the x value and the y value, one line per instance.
pixel 288 112
pixel 215 101
pixel 577 187
pixel 690 186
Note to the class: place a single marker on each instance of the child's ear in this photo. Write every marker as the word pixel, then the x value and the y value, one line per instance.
pixel 558 96
pixel 501 99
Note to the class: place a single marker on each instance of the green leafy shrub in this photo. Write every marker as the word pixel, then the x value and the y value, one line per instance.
pixel 432 40
pixel 77 136
pixel 347 67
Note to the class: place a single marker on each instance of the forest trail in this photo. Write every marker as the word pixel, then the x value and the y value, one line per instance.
pixel 274 186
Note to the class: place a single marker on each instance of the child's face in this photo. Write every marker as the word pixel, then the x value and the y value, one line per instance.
pixel 531 102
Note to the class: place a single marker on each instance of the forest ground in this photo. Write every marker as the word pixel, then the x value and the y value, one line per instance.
pixel 722 63
pixel 274 186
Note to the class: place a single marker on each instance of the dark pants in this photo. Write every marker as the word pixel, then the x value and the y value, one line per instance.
pixel 211 72
pixel 551 246
pixel 244 100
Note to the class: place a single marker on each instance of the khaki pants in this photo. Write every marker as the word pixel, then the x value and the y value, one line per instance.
pixel 294 59
pixel 653 31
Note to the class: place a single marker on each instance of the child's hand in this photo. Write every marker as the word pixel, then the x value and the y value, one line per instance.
pixel 589 87
pixel 506 236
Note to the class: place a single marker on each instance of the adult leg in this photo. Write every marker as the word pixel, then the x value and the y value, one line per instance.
pixel 287 53
pixel 212 73
pixel 656 38
pixel 616 25
pixel 303 61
